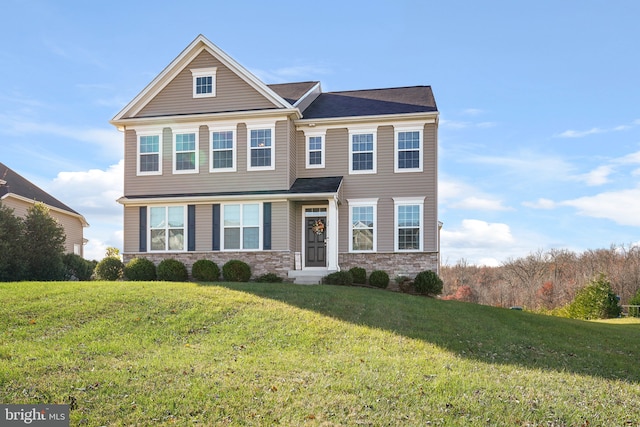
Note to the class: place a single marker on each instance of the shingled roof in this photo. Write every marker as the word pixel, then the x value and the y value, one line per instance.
pixel 374 102
pixel 13 183
pixel 292 92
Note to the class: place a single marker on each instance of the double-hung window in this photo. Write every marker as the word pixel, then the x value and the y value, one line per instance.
pixel 149 152
pixel 362 228
pixel 315 149
pixel 408 149
pixel 409 223
pixel 242 226
pixel 362 151
pixel 167 228
pixel 223 149
pixel 261 147
pixel 204 82
pixel 185 151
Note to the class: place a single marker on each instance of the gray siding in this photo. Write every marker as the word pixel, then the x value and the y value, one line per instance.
pixel 131 229
pixel 204 227
pixel 232 93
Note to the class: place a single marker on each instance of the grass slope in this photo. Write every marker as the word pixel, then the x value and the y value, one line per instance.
pixel 264 354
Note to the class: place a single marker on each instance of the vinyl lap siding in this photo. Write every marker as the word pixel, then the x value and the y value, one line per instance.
pixel 232 93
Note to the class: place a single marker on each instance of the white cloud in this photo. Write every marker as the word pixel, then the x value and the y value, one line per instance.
pixel 479 203
pixel 541 203
pixel 579 134
pixel 622 207
pixel 477 233
pixel 598 176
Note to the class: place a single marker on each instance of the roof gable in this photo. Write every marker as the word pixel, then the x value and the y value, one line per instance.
pixel 11 183
pixel 200 49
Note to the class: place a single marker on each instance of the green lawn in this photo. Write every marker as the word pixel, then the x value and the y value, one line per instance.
pixel 155 353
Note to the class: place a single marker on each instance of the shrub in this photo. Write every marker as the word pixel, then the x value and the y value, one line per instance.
pixel 269 278
pixel 205 270
pixel 359 275
pixel 140 269
pixel 338 278
pixel 110 268
pixel 634 311
pixel 428 283
pixel 236 271
pixel 77 268
pixel 379 279
pixel 595 301
pixel 172 270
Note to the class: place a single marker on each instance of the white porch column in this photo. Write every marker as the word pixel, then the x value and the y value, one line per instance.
pixel 332 235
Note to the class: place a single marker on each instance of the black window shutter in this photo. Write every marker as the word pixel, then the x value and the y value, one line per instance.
pixel 266 226
pixel 143 229
pixel 216 228
pixel 191 224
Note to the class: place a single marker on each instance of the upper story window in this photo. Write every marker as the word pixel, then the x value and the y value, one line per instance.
pixel 242 226
pixel 315 149
pixel 408 149
pixel 261 147
pixel 149 157
pixel 167 228
pixel 185 151
pixel 362 229
pixel 409 224
pixel 223 149
pixel 362 151
pixel 204 82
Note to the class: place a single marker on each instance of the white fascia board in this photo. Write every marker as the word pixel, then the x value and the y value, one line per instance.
pixel 133 201
pixel 379 120
pixel 177 65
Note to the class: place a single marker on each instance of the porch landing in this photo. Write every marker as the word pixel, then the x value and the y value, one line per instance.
pixel 308 277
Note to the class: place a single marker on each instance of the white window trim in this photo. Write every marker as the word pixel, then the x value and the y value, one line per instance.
pixel 407 201
pixel 361 131
pixel 259 126
pixel 260 227
pixel 185 229
pixel 363 202
pixel 396 150
pixel 204 72
pixel 180 131
pixel 148 132
pixel 308 135
pixel 223 128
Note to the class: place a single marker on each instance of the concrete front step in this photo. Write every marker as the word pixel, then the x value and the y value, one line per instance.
pixel 308 277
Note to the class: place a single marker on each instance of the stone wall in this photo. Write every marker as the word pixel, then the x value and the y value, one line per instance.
pixel 394 264
pixel 278 262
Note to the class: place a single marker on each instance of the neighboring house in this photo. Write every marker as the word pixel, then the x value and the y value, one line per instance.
pixel 292 180
pixel 19 194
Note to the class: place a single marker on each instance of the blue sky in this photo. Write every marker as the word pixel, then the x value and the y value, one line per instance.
pixel 540 120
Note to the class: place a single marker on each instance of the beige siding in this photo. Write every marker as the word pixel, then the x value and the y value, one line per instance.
pixel 72 225
pixel 280 219
pixel 384 185
pixel 204 227
pixel 232 93
pixel 205 181
pixel 131 229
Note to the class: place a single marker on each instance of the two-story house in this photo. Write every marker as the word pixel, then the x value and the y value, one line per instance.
pixel 19 194
pixel 285 177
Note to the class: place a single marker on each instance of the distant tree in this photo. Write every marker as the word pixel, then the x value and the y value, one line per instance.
pixel 596 301
pixel 12 262
pixel 546 294
pixel 44 241
pixel 112 252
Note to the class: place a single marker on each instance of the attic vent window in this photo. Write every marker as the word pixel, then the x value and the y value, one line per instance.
pixel 204 82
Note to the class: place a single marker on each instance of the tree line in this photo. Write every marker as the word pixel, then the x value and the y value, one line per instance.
pixel 544 280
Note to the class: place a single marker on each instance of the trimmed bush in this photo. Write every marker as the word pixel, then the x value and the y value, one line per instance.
pixel 110 268
pixel 359 275
pixel 205 270
pixel 595 301
pixel 140 269
pixel 172 270
pixel 379 279
pixel 428 283
pixel 269 278
pixel 236 271
pixel 343 278
pixel 77 268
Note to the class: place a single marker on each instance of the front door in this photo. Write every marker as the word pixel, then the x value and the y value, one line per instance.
pixel 315 247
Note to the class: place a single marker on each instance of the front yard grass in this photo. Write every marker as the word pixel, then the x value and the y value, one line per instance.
pixel 157 353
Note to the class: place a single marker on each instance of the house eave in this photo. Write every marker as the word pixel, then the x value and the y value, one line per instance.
pixel 82 219
pixel 426 117
pixel 279 113
pixel 205 199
